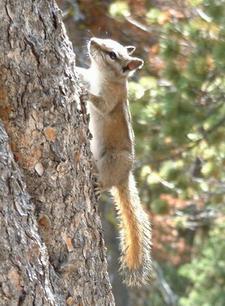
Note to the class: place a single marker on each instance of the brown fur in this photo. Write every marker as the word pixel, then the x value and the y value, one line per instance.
pixel 132 244
pixel 116 132
pixel 113 149
pixel 135 233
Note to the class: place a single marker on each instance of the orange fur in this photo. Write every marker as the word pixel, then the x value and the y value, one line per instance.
pixel 135 233
pixel 129 225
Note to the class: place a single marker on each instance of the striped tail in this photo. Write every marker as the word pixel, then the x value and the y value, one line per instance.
pixel 135 234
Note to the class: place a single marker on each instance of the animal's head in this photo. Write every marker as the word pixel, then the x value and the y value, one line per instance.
pixel 113 59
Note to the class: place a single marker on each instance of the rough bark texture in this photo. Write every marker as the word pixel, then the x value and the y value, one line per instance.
pixel 47 126
pixel 24 263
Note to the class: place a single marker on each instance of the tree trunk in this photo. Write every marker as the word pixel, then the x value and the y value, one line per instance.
pixel 24 262
pixel 46 122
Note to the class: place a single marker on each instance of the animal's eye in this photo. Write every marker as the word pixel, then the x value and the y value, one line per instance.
pixel 112 55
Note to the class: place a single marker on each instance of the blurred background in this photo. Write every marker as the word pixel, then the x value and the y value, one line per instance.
pixel 178 108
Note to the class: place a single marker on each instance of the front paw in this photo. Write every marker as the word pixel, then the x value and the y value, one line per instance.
pixel 87 95
pixel 93 98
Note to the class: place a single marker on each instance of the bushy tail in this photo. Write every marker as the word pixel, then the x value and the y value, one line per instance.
pixel 135 234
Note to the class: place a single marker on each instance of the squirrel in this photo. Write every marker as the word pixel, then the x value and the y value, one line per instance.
pixel 112 146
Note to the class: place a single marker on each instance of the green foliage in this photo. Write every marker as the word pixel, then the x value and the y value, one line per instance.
pixel 179 118
pixel 206 272
pixel 180 113
pixel 119 9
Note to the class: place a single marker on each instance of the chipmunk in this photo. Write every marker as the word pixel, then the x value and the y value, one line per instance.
pixel 113 149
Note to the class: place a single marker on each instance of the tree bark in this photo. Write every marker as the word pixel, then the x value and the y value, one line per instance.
pixel 24 263
pixel 46 122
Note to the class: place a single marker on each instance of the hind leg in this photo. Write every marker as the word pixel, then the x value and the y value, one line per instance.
pixel 114 168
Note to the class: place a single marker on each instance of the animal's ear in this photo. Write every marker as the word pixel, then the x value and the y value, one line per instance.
pixel 130 49
pixel 135 63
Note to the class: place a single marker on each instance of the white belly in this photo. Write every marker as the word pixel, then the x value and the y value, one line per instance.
pixel 95 127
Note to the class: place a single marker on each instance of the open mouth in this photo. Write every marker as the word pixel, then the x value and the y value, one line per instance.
pixel 126 68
